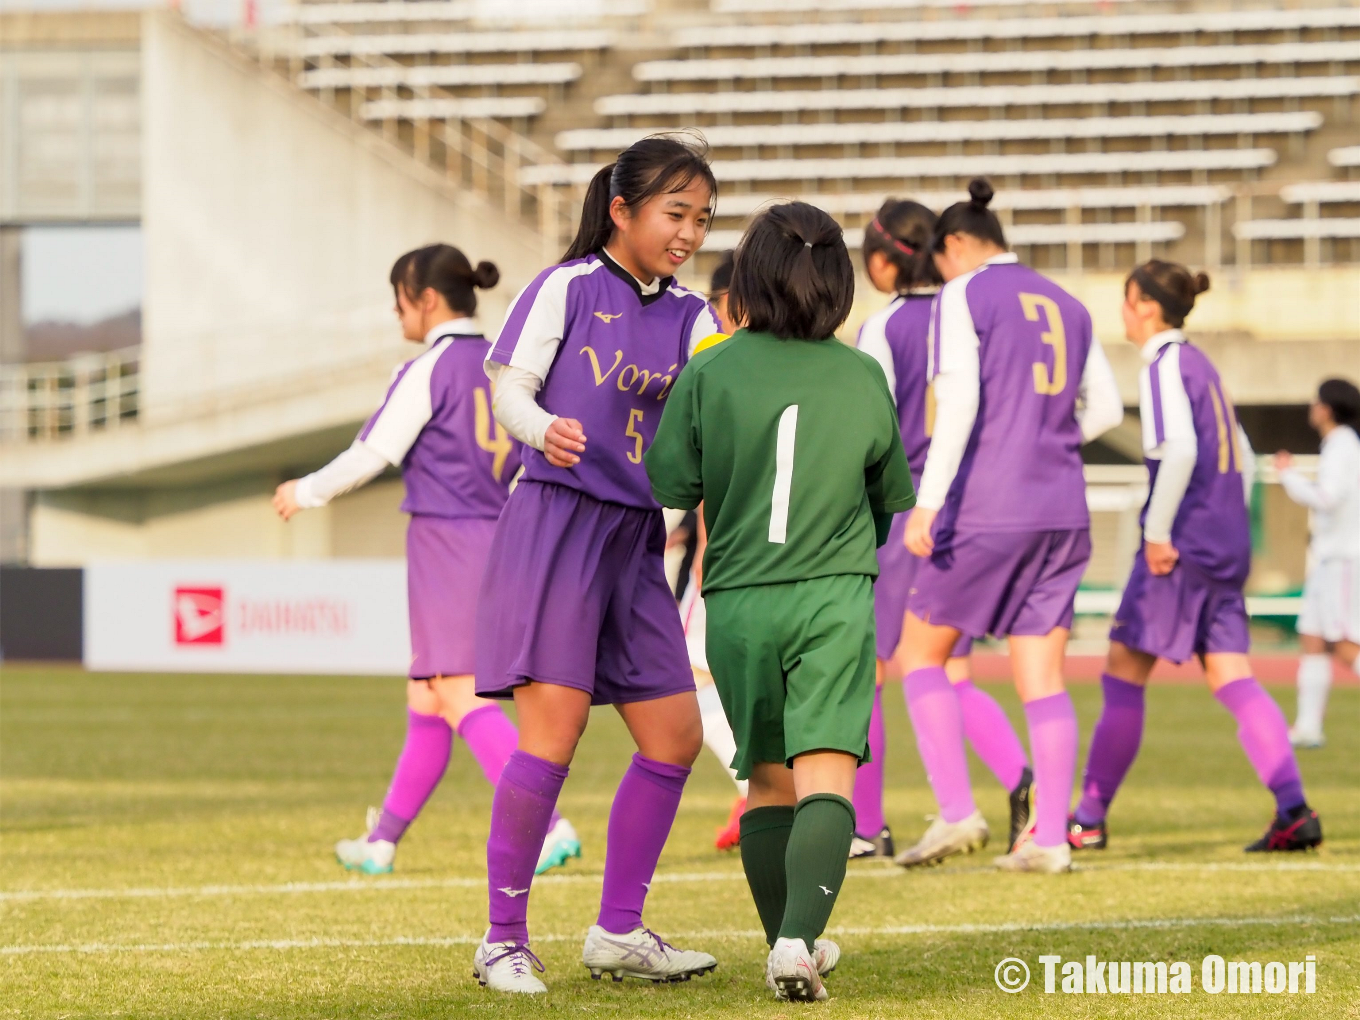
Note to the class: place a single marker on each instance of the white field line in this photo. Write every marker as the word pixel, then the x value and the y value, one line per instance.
pixel 866 870
pixel 719 934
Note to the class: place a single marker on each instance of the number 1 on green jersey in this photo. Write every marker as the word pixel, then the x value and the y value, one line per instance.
pixel 783 474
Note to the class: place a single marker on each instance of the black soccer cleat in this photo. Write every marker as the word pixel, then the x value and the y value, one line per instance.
pixel 862 848
pixel 1095 836
pixel 1301 829
pixel 1019 801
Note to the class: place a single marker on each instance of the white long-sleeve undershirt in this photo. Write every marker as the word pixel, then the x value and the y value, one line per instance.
pixel 356 466
pixel 514 402
pixel 1334 498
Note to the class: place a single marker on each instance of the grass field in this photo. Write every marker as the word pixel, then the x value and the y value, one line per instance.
pixel 166 853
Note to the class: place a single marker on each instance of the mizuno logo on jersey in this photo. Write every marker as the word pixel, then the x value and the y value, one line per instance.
pixel 825 889
pixel 512 893
pixel 607 318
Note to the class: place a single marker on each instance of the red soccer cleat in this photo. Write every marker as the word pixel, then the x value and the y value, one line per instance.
pixel 730 834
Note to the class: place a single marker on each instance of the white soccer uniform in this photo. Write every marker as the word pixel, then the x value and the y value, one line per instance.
pixel 1331 593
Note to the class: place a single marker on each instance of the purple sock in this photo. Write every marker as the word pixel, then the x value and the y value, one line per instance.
pixel 639 822
pixel 991 734
pixel 938 722
pixel 1264 735
pixel 1114 745
pixel 423 760
pixel 491 737
pixel 1053 742
pixel 525 796
pixel 868 796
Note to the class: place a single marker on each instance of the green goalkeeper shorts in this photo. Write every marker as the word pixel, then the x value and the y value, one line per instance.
pixel 794 666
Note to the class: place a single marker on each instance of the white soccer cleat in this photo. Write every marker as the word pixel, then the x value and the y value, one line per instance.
pixel 1309 740
pixel 560 846
pixel 1043 860
pixel 793 972
pixel 371 858
pixel 507 967
pixel 946 839
pixel 825 954
pixel 641 953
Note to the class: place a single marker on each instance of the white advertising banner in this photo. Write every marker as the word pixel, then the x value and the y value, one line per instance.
pixel 248 616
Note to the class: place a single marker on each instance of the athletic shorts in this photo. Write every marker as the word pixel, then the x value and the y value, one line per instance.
pixel 1180 614
pixel 794 666
pixel 896 574
pixel 1002 582
pixel 445 560
pixel 575 594
pixel 1331 601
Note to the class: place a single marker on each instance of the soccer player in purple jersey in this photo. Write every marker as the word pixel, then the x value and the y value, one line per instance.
pixel 898 261
pixel 1001 519
pixel 456 464
pixel 1184 596
pixel 575 608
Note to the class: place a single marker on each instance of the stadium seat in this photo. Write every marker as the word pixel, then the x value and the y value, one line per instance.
pixel 907 132
pixel 1321 192
pixel 1345 157
pixel 689 104
pixel 792 6
pixel 1278 230
pixel 444 75
pixel 582 40
pixel 1180 24
pixel 504 107
pixel 1027 234
pixel 952 167
pixel 393 11
pixel 1143 58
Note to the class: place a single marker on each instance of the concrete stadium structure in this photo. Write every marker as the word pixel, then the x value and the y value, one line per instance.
pixel 278 172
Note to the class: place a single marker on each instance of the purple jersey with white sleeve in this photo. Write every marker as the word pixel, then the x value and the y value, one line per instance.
pixel 608 351
pixel 897 338
pixel 436 422
pixel 1181 397
pixel 1021 469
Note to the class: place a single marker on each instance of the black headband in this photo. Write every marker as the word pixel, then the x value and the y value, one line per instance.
pixel 1151 288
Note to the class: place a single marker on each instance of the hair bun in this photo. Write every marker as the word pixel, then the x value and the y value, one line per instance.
pixel 486 275
pixel 1201 282
pixel 980 192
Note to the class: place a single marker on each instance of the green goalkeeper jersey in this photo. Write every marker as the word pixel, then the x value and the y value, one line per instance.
pixel 793 447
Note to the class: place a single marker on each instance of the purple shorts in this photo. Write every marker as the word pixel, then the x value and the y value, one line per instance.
pixel 445 560
pixel 896 572
pixel 1180 614
pixel 1002 582
pixel 575 594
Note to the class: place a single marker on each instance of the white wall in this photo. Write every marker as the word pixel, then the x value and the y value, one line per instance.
pixel 270 226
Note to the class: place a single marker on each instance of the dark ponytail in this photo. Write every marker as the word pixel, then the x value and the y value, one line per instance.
pixel 447 271
pixel 1171 285
pixel 971 217
pixel 1342 399
pixel 792 276
pixel 652 166
pixel 903 231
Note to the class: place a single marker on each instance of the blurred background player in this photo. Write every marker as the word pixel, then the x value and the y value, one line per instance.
pixel 790 440
pixel 1001 518
pixel 1184 597
pixel 898 261
pixel 1330 621
pixel 575 606
pixel 456 465
pixel 717 730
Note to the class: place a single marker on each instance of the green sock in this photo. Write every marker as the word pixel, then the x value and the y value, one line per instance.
pixel 823 826
pixel 764 840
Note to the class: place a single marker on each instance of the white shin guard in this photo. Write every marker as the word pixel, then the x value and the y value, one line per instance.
pixel 718 736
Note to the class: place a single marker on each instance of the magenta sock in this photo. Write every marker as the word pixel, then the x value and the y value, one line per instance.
pixel 639 822
pixel 423 760
pixel 1264 735
pixel 938 722
pixel 1114 745
pixel 520 814
pixel 1053 741
pixel 991 734
pixel 491 737
pixel 868 795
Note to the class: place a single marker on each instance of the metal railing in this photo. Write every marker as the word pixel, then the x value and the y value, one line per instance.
pixel 65 399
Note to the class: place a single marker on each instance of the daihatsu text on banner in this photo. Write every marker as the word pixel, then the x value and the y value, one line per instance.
pixel 248 616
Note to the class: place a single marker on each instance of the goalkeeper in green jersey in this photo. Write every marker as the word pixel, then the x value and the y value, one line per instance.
pixel 790 439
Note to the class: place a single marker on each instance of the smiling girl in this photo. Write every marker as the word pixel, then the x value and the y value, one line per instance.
pixel 575 608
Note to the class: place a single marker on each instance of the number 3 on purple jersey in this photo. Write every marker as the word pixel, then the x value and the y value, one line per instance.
pixel 1055 336
pixel 783 474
